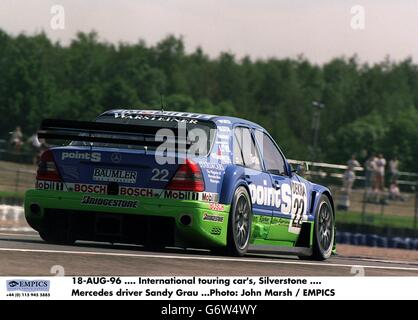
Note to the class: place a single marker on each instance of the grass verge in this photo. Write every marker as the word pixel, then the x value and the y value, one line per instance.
pixel 375 219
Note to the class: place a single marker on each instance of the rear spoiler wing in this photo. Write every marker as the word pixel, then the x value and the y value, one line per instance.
pixel 101 132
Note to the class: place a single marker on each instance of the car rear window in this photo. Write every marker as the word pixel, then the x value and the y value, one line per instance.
pixel 187 131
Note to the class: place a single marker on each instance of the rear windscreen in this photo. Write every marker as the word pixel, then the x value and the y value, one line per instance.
pixel 186 132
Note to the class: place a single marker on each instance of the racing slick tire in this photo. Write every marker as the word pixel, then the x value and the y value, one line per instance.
pixel 56 237
pixel 323 238
pixel 57 231
pixel 239 224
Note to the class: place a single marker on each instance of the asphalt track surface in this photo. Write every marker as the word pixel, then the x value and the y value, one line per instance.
pixel 25 254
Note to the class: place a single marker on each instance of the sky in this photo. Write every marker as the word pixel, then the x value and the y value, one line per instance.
pixel 319 30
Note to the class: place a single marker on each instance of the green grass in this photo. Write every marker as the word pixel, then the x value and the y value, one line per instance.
pixel 376 220
pixel 12 194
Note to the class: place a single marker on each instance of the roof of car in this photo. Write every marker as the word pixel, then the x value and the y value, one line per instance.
pixel 190 115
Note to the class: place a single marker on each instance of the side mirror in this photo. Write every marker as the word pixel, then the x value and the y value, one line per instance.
pixel 301 168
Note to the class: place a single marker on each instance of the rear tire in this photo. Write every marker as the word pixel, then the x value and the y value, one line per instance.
pixel 323 238
pixel 239 224
pixel 56 230
pixel 57 237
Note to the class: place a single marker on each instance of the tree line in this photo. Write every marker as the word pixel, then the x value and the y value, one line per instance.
pixel 368 108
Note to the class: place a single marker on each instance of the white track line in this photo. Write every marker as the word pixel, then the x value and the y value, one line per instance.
pixel 112 254
pixel 379 260
pixel 16 229
pixel 27 234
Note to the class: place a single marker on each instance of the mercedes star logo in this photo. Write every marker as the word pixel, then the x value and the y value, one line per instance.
pixel 116 157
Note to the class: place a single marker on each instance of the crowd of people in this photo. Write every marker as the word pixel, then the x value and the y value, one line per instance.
pixel 33 144
pixel 375 177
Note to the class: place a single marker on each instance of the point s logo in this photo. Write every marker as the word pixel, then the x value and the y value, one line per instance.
pixel 268 196
pixel 92 156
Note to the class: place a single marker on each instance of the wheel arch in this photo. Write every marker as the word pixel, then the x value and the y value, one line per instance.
pixel 316 192
pixel 234 177
pixel 327 193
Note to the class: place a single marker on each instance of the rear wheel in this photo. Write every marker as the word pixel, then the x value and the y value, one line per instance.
pixel 56 230
pixel 239 224
pixel 323 239
pixel 57 237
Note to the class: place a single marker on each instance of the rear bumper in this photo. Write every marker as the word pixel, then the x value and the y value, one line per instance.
pixel 128 219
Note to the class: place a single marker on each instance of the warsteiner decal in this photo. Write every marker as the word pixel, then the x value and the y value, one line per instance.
pixel 178 117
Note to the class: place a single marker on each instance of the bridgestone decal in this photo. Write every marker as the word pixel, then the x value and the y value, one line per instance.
pixel 114 203
pixel 213 218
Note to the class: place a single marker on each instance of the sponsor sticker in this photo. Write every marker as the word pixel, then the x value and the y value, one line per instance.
pixel 299 207
pixel 28 285
pixel 211 165
pixel 223 136
pixel 212 217
pixel 129 191
pixel 181 195
pixel 92 156
pixel 165 117
pixel 209 197
pixel 114 175
pixel 90 188
pixel 49 185
pixel 216 231
pixel 216 206
pixel 136 192
pixel 114 203
pixel 224 121
pixel 290 199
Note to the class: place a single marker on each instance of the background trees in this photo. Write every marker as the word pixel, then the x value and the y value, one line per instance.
pixel 369 108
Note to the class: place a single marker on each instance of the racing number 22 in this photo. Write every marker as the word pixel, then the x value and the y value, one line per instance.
pixel 299 207
pixel 159 175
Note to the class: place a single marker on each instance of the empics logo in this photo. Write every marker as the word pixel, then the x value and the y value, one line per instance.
pixel 28 285
pixel 92 156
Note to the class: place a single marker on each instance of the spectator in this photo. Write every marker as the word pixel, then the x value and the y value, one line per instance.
pixel 369 168
pixel 352 163
pixel 394 192
pixel 380 173
pixel 16 139
pixel 393 169
pixel 36 146
pixel 350 173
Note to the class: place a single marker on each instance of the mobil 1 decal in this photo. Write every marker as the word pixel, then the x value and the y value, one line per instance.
pixel 299 206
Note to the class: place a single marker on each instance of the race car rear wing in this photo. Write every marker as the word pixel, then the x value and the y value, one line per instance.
pixel 101 132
